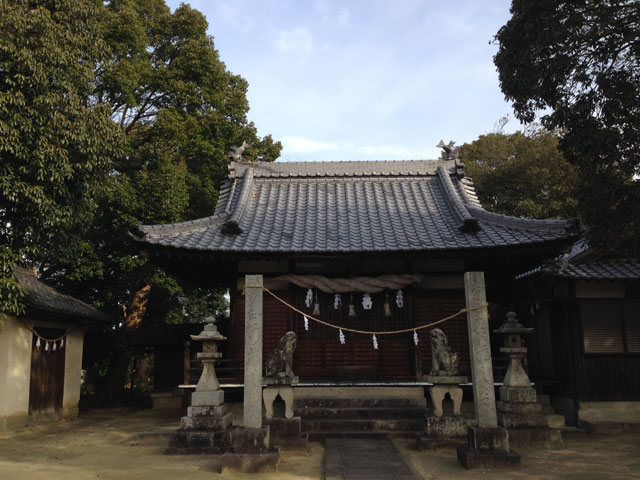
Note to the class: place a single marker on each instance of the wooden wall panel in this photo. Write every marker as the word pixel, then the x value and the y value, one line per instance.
pixel 432 306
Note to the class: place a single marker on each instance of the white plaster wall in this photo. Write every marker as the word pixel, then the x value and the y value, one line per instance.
pixel 72 372
pixel 15 372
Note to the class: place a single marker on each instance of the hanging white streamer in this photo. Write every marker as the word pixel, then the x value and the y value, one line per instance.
pixel 306 322
pixel 399 299
pixel 375 342
pixel 46 347
pixel 342 340
pixel 337 301
pixel 55 346
pixel 38 343
pixel 415 337
pixel 367 303
pixel 62 342
pixel 309 300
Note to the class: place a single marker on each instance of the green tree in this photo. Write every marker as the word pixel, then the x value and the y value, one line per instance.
pixel 522 174
pixel 577 63
pixel 56 145
pixel 181 111
pixel 169 105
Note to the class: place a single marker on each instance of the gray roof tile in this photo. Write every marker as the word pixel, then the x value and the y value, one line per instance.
pixel 42 297
pixel 351 207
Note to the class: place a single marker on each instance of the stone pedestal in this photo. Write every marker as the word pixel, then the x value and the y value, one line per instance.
pixel 279 386
pixel 285 431
pixel 444 431
pixel 443 384
pixel 250 452
pixel 523 416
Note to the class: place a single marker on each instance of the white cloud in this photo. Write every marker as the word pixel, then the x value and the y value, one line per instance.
pixel 307 145
pixel 296 41
pixel 343 17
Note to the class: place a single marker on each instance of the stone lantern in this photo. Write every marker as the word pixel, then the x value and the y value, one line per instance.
pixel 208 382
pixel 518 409
pixel 514 348
pixel 206 428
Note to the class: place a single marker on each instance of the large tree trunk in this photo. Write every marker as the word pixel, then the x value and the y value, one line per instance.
pixel 113 386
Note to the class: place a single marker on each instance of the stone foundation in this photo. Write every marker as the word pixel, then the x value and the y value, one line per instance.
pixel 266 462
pixel 286 432
pixel 250 452
pixel 488 448
pixel 519 412
pixel 205 429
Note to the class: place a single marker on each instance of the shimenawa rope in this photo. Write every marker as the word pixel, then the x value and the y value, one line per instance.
pixel 366 332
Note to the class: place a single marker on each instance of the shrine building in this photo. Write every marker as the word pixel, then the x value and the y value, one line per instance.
pixel 374 246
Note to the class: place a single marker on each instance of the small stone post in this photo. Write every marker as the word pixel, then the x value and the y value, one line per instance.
pixel 253 352
pixel 488 444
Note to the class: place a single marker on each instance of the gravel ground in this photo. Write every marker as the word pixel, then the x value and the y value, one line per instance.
pixel 128 444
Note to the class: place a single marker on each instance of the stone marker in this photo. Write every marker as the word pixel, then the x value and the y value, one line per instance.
pixel 253 352
pixel 250 452
pixel 488 444
pixel 484 398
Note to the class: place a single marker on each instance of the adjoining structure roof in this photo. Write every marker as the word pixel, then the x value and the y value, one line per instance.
pixel 42 297
pixel 585 263
pixel 381 206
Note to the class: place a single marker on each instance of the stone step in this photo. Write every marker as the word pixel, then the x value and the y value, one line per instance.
pixel 320 436
pixel 555 421
pixel 359 413
pixel 385 425
pixel 334 402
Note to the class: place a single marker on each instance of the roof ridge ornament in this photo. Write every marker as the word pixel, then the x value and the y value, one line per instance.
pixel 450 152
pixel 236 153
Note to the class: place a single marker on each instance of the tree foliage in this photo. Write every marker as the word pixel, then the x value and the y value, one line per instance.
pixel 577 63
pixel 522 174
pixel 55 146
pixel 112 114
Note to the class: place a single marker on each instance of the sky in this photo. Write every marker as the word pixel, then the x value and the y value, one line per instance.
pixel 364 79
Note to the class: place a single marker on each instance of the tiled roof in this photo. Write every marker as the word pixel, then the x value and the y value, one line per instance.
pixel 351 207
pixel 614 269
pixel 585 263
pixel 44 298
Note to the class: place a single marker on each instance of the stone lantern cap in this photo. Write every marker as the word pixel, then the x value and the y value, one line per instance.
pixel 512 326
pixel 210 332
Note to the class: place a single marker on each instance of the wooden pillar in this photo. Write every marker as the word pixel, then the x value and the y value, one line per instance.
pixel 253 352
pixel 480 350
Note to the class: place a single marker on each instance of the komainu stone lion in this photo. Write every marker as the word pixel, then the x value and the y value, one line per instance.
pixel 443 360
pixel 278 362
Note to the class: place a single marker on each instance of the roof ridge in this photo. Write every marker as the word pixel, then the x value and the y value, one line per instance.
pixel 141 231
pixel 531 224
pixel 342 169
pixel 232 225
pixel 469 223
